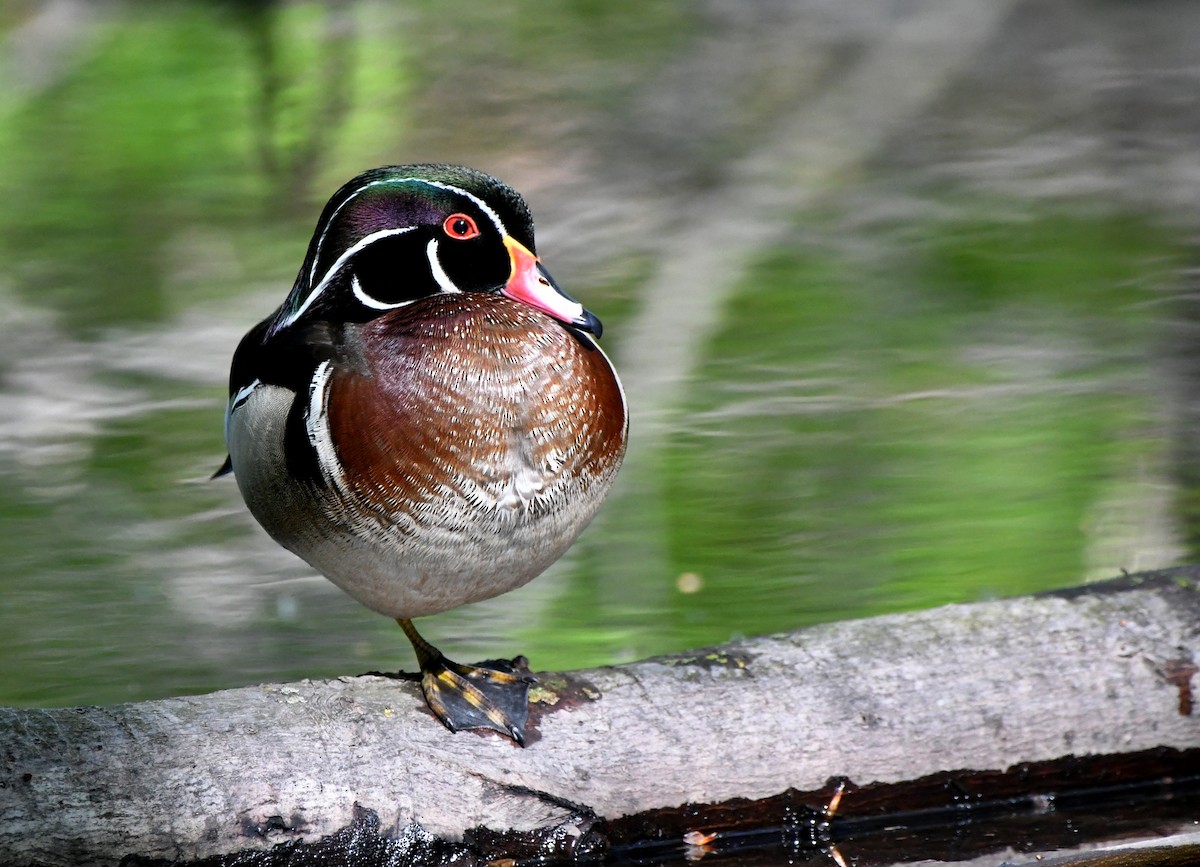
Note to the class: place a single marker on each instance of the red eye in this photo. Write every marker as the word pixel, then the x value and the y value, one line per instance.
pixel 460 227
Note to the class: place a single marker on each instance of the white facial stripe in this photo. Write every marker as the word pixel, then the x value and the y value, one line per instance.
pixel 479 203
pixel 482 205
pixel 336 266
pixel 435 265
pixel 367 301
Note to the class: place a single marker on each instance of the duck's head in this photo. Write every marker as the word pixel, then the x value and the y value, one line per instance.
pixel 395 235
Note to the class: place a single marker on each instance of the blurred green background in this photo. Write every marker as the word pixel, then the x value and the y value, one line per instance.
pixel 902 295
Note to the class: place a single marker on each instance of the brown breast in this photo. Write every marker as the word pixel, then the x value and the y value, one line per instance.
pixel 455 394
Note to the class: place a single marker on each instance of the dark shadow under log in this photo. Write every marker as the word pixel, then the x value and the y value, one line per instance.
pixel 1098 670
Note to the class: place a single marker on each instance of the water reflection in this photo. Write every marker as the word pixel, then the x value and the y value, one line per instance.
pixel 870 370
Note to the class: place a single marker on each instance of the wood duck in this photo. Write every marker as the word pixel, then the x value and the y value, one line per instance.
pixel 427 418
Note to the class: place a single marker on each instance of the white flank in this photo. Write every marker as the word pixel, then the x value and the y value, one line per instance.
pixel 237 402
pixel 243 395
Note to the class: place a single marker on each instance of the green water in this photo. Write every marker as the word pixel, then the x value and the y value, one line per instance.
pixel 966 397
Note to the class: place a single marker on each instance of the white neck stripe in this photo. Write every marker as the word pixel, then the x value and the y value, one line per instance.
pixel 367 301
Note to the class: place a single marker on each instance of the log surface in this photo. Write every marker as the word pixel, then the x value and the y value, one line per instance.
pixel 1106 668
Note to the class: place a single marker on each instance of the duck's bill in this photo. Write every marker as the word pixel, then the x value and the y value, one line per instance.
pixel 530 283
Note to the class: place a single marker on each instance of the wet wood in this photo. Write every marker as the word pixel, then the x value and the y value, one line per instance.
pixel 1098 670
pixel 1075 807
pixel 950 816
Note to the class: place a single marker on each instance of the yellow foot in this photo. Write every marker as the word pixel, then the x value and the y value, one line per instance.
pixel 492 695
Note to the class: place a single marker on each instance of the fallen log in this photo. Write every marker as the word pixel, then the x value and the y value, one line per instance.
pixel 1097 670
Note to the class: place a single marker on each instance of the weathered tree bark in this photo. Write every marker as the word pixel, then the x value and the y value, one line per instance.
pixel 1097 670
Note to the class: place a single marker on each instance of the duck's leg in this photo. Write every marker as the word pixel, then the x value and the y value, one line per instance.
pixel 472 696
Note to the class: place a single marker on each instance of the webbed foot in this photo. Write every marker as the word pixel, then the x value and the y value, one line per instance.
pixel 492 695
